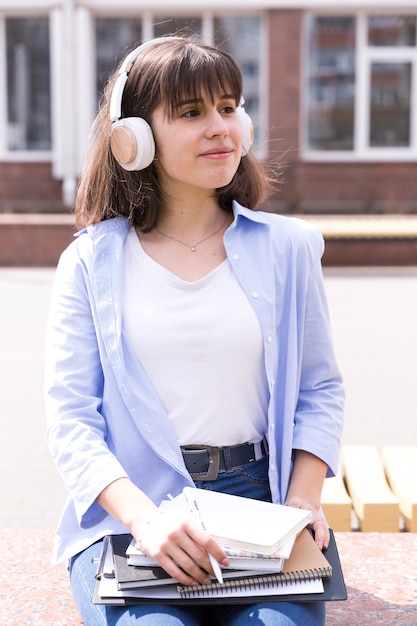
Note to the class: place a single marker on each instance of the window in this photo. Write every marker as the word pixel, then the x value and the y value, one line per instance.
pixel 362 73
pixel 114 38
pixel 28 84
pixel 186 25
pixel 390 104
pixel 391 30
pixel 238 34
pixel 331 83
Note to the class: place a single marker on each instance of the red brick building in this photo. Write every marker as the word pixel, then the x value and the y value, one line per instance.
pixel 331 87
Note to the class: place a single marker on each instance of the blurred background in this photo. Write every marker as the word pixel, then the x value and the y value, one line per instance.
pixel 331 87
pixel 331 93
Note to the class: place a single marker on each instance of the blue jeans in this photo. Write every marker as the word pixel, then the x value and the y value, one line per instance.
pixel 251 481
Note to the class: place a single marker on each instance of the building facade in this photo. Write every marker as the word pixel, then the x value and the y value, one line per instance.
pixel 331 88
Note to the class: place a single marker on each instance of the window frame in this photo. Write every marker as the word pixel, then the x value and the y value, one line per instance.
pixel 365 56
pixel 6 154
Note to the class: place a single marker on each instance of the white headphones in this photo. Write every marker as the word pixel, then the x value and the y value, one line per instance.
pixel 131 140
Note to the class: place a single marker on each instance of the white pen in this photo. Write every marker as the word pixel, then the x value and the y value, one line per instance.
pixel 216 568
pixel 215 565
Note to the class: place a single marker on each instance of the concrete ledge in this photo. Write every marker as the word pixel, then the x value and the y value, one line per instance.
pixel 33 592
pixel 381 580
pixel 379 570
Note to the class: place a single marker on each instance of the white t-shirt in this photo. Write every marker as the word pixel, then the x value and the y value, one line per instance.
pixel 201 345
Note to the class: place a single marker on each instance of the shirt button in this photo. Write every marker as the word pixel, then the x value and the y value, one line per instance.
pixel 269 340
pixel 255 294
pixel 235 257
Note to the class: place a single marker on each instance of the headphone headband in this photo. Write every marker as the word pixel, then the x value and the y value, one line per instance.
pixel 117 93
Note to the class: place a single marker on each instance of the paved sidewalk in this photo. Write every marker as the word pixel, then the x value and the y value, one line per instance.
pixel 31 491
pixel 374 319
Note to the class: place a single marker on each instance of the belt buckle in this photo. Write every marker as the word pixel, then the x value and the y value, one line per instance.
pixel 213 462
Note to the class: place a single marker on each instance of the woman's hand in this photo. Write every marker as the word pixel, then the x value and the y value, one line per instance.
pixel 318 523
pixel 178 543
pixel 175 540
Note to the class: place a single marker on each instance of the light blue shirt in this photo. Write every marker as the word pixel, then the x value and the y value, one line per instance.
pixel 105 420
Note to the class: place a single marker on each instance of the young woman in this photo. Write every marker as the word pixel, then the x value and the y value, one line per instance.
pixel 182 318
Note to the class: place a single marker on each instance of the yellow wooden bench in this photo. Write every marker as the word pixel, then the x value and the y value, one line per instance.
pixel 400 463
pixel 337 504
pixel 377 508
pixel 374 491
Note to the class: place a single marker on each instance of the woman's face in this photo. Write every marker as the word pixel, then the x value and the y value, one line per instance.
pixel 200 147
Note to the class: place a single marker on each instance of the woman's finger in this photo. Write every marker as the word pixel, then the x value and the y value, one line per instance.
pixel 321 532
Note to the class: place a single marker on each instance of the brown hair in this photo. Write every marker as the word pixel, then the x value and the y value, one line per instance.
pixel 165 72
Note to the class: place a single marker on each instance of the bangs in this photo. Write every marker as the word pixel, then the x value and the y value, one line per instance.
pixel 197 72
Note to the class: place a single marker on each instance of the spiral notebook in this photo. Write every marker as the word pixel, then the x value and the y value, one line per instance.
pixel 308 575
pixel 304 571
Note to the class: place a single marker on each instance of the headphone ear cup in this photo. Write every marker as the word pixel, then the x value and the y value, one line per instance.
pixel 132 143
pixel 247 128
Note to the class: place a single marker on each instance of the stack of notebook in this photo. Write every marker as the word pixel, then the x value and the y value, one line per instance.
pixel 272 555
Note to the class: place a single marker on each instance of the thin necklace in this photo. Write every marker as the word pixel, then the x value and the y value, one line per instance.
pixel 192 247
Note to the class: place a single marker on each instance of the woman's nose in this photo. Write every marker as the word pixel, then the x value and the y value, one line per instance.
pixel 216 124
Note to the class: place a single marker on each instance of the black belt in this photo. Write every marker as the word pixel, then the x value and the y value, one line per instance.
pixel 206 462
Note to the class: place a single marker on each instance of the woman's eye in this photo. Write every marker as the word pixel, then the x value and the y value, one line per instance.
pixel 190 113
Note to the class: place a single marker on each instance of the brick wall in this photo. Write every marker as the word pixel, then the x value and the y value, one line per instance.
pixel 34 240
pixel 29 188
pixel 356 187
pixel 284 85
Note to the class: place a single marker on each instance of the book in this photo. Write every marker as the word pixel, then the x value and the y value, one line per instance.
pixel 309 575
pixel 242 523
pixel 135 577
pixel 238 559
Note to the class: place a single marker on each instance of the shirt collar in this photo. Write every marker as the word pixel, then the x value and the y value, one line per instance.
pixel 253 216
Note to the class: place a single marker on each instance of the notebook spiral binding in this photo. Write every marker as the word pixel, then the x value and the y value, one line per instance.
pixel 253 582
